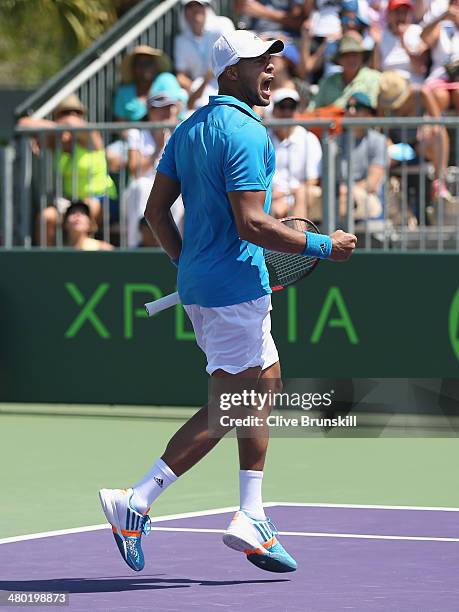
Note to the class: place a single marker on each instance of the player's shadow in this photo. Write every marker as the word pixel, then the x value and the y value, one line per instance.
pixel 113 585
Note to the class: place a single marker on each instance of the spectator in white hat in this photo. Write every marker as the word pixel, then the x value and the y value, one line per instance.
pixel 145 148
pixel 298 161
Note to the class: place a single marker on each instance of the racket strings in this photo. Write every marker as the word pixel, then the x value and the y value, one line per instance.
pixel 286 268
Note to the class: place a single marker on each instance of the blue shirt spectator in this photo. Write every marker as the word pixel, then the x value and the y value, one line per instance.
pixel 144 72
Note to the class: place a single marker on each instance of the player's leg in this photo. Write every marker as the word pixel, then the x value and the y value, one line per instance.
pixel 253 446
pixel 250 531
pixel 186 448
pixel 126 509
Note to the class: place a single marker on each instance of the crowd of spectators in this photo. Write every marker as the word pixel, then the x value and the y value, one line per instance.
pixel 352 58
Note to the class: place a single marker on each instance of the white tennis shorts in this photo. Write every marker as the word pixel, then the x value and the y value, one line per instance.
pixel 237 337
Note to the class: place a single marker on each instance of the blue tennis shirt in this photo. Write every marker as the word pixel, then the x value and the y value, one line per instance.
pixel 222 147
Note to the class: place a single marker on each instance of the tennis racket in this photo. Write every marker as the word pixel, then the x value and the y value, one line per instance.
pixel 284 268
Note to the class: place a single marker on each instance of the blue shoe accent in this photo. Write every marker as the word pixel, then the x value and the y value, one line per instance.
pixel 134 553
pixel 276 558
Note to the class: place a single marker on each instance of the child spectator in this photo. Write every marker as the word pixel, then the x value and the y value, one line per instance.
pixel 79 226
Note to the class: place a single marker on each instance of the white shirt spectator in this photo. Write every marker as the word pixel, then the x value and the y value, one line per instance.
pixel 138 190
pixel 298 159
pixel 211 89
pixel 393 55
pixel 325 21
pixel 142 141
pixel 445 51
pixel 435 8
pixel 193 54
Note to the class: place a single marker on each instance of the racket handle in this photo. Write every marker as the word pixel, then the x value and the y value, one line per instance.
pixel 163 303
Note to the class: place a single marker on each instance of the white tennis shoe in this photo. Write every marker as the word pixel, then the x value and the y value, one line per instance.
pixel 128 525
pixel 258 541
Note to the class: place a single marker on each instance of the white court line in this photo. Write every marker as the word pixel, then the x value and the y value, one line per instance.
pixel 312 534
pixel 154 519
pixel 170 517
pixel 364 506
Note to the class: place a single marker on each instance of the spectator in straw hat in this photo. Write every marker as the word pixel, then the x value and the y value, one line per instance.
pixel 398 98
pixel 337 88
pixel 144 71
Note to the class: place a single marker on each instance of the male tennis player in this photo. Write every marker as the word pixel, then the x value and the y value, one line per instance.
pixel 221 160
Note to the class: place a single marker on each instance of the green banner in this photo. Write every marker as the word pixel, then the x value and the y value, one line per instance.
pixel 73 328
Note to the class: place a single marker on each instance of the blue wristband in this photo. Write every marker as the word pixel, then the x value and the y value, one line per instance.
pixel 317 245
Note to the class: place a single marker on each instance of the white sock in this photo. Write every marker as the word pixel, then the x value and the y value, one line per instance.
pixel 250 482
pixel 151 486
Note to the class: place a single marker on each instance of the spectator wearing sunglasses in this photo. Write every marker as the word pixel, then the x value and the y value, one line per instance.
pixel 298 162
pixel 366 166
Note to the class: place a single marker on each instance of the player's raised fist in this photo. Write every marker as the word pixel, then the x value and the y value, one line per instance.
pixel 343 245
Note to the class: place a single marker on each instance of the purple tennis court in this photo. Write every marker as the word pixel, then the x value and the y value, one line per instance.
pixel 350 558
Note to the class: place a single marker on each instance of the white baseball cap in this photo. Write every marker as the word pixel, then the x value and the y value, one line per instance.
pixel 278 95
pixel 239 44
pixel 161 99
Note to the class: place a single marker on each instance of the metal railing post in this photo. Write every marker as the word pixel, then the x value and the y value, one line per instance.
pixel 25 200
pixel 328 183
pixel 7 154
pixel 349 139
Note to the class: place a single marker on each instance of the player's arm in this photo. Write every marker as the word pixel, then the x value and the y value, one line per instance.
pixel 163 194
pixel 245 160
pixel 255 226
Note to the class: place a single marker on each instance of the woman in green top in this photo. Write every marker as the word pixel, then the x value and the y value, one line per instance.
pixel 80 161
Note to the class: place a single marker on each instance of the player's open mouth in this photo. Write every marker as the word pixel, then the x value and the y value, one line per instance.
pixel 266 87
